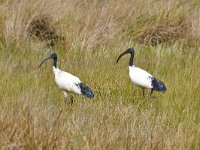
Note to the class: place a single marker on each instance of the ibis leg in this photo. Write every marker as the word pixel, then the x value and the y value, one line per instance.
pixel 72 100
pixel 66 99
pixel 143 92
pixel 151 92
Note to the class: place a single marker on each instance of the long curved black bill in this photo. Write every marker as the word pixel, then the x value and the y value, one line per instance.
pixel 46 58
pixel 43 61
pixel 122 54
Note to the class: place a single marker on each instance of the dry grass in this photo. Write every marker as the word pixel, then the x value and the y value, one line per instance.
pixel 41 27
pixel 165 35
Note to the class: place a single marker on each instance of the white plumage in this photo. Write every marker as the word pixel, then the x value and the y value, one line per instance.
pixel 68 82
pixel 141 77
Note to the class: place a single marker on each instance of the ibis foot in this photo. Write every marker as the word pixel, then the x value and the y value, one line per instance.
pixel 69 102
pixel 72 100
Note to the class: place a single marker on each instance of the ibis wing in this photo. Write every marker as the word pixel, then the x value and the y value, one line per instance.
pixel 67 82
pixel 145 79
pixel 140 77
pixel 71 83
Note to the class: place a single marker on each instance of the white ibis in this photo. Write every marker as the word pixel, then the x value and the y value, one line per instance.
pixel 142 78
pixel 68 82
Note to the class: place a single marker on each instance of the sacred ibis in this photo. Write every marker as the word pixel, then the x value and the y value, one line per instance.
pixel 142 78
pixel 68 82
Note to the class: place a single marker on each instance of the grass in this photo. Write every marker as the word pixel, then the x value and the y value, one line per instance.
pixel 32 111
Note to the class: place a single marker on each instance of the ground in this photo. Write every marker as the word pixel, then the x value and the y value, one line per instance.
pixel 89 36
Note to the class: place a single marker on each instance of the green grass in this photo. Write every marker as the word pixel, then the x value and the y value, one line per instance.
pixel 32 109
pixel 118 117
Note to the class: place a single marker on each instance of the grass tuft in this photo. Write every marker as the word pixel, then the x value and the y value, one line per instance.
pixel 166 33
pixel 42 28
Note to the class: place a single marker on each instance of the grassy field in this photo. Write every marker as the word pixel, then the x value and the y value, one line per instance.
pixel 88 36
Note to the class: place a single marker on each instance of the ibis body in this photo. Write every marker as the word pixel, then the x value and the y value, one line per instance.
pixel 141 77
pixel 68 82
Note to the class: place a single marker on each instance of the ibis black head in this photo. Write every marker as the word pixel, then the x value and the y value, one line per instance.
pixel 129 50
pixel 50 56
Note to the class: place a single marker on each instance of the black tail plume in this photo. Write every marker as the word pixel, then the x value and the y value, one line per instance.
pixel 158 85
pixel 85 90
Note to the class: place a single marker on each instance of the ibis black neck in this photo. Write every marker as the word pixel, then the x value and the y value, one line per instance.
pixel 55 61
pixel 131 59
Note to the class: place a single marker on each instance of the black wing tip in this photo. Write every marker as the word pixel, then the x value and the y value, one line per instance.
pixel 86 91
pixel 90 94
pixel 158 85
pixel 163 90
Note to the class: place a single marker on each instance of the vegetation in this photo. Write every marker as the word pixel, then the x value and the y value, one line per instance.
pixel 88 36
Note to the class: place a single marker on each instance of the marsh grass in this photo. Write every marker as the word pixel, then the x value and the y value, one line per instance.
pixel 32 110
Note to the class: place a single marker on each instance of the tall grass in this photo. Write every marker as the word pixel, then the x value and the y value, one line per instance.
pixel 165 35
